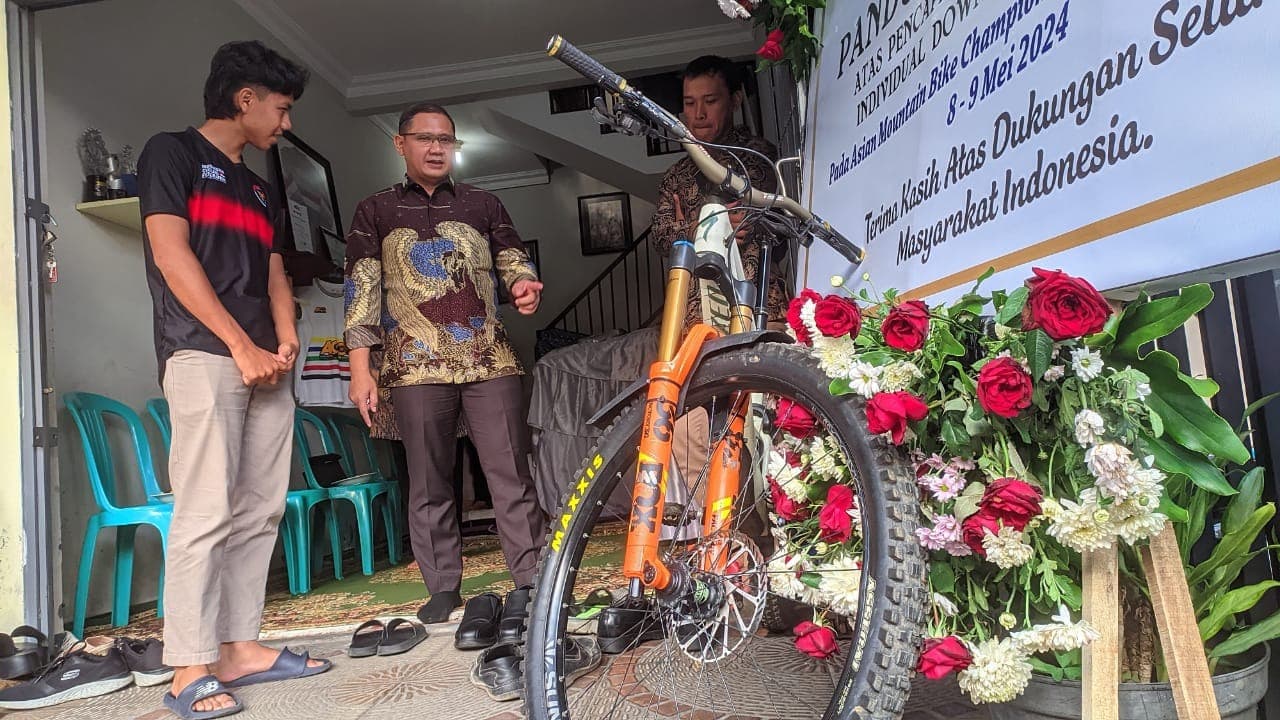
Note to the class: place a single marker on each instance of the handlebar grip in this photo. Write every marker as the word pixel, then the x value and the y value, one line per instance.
pixel 836 241
pixel 587 66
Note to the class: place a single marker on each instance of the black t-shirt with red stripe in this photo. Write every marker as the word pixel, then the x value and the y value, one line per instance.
pixel 232 214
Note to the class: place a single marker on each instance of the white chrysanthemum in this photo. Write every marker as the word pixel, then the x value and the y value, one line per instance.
pixel 736 10
pixel 864 379
pixel 789 477
pixel 782 569
pixel 837 281
pixel 1087 363
pixel 1109 461
pixel 999 672
pixel 1089 427
pixel 1055 372
pixel 824 460
pixel 1007 549
pixel 1062 635
pixel 1135 523
pixel 841 582
pixel 1081 526
pixel 944 605
pixel 836 356
pixel 808 319
pixel 898 376
pixel 1139 485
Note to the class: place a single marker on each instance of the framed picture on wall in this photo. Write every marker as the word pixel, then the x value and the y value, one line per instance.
pixel 530 249
pixel 604 222
pixel 309 201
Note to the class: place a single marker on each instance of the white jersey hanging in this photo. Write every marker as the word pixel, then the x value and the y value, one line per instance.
pixel 323 370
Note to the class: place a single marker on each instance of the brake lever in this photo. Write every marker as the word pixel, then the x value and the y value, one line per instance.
pixel 618 119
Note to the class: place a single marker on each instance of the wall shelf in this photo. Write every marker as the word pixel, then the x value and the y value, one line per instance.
pixel 124 212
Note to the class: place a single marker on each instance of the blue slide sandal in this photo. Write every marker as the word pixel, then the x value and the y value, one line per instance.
pixel 184 706
pixel 288 666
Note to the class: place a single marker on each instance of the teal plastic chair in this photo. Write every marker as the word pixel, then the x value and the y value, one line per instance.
pixel 361 495
pixel 90 411
pixel 158 409
pixel 295 525
pixel 348 427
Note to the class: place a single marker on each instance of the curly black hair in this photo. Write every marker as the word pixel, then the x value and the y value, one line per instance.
pixel 249 63
pixel 715 65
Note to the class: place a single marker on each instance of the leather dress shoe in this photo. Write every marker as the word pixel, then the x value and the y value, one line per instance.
pixel 627 623
pixel 497 671
pixel 515 611
pixel 479 626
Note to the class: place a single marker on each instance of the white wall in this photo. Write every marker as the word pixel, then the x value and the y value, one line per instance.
pixel 549 213
pixel 132 68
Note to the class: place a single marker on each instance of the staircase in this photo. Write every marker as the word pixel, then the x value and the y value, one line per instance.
pixel 625 296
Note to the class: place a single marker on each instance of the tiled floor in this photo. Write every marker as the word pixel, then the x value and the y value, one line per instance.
pixel 429 682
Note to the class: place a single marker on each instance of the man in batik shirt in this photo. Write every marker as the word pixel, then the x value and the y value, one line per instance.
pixel 422 259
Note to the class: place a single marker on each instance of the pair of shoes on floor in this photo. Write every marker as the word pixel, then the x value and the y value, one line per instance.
pixel 489 620
pixel 145 657
pixel 73 675
pixel 498 670
pixel 400 635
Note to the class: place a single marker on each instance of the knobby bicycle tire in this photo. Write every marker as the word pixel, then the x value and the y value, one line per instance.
pixel 878 666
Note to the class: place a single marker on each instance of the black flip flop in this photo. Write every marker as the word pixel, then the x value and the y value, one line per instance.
pixel 21 659
pixel 367 638
pixel 402 635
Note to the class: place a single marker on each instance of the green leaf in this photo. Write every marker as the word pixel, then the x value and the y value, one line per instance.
pixel 1176 460
pixel 1071 592
pixel 1254 407
pixel 1039 353
pixel 954 435
pixel 1188 534
pixel 971 304
pixel 1105 337
pixel 840 386
pixel 1043 668
pixel 942 578
pixel 1226 607
pixel 1242 640
pixel 966 507
pixel 812 579
pixel 1153 320
pixel 956 405
pixel 1013 306
pixel 1172 510
pixel 986 275
pixel 1245 502
pixel 1187 419
pixel 1233 544
pixel 948 345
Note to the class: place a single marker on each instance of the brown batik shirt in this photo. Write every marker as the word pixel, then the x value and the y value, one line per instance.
pixel 421 283
pixel 684 180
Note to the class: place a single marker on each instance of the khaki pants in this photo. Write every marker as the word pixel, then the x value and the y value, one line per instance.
pixel 229 464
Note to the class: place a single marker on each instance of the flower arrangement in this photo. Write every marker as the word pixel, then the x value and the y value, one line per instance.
pixel 1040 432
pixel 789 37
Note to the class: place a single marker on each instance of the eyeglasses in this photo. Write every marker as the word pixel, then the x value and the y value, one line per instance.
pixel 446 141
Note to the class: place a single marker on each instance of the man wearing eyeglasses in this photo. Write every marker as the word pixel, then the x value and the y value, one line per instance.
pixel 422 260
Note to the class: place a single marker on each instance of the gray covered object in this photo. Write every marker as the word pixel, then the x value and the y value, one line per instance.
pixel 569 386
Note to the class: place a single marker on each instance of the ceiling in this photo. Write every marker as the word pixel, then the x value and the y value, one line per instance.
pixel 382 55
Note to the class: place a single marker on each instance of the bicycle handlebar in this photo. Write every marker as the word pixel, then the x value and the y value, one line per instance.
pixel 593 70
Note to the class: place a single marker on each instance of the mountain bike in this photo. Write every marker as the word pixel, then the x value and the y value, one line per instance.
pixel 712 580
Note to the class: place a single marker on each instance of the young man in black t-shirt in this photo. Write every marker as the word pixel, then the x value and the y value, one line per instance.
pixel 226 343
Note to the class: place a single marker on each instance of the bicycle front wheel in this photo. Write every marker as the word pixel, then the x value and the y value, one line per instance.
pixel 735 654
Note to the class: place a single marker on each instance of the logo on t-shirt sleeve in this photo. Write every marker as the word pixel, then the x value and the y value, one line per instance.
pixel 212 172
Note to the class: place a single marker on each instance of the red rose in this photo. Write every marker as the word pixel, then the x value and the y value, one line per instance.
pixel 942 656
pixel 772 47
pixel 815 640
pixel 787 509
pixel 906 326
pixel 975 527
pixel 793 315
pixel 793 418
pixel 837 316
pixel 833 519
pixel 890 412
pixel 1004 388
pixel 1063 306
pixel 1013 501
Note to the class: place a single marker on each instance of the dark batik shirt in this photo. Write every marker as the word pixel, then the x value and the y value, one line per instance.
pixel 694 190
pixel 421 283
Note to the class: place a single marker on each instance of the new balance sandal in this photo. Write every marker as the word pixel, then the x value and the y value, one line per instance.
pixel 288 666
pixel 366 639
pixel 402 636
pixel 184 705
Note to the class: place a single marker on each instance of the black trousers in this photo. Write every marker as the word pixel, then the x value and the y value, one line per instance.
pixel 427 417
